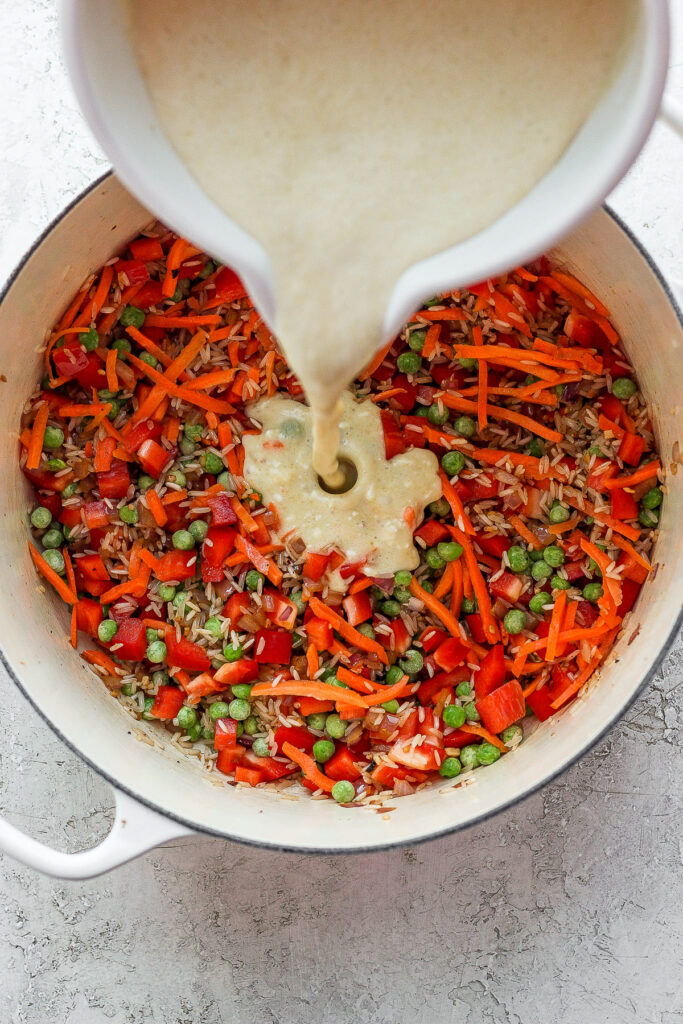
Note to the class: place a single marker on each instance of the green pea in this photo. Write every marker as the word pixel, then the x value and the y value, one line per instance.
pixel 449 550
pixel 147 357
pixel 107 630
pixel 553 555
pixel 558 513
pixel 166 592
pixel 416 340
pixel 54 465
pixel 240 709
pixel 160 678
pixel 156 651
pixel 463 689
pixel 187 447
pixel 468 756
pixel 343 791
pixel 440 507
pixel 41 517
pixel 434 301
pixel 541 570
pixel 195 732
pixel 428 586
pixel 437 414
pixel 132 317
pixel 454 716
pixel 53 438
pixel 391 706
pixel 403 578
pixel 225 480
pixel 559 583
pixel 402 595
pixel 70 490
pixel 393 674
pixel 207 270
pixel 467 362
pixel 514 621
pixel 193 431
pixel 469 606
pixel 89 339
pixel 411 662
pixel 453 463
pixel 176 476
pixel 465 426
pixel 291 428
pixel 198 529
pixel 434 559
pixel 233 652
pixel 187 717
pixel 145 482
pixel 127 690
pixel 512 736
pixel 592 592
pixel 208 734
pixel 652 499
pixel 251 725
pixel 260 747
pixel 151 635
pixel 421 411
pixel 297 598
pixel 648 517
pixel 212 463
pixel 323 750
pixel 147 708
pixel 183 540
pixel 55 559
pixel 214 626
pixel 241 690
pixel 535 448
pixel 53 538
pixel 538 602
pixel 409 362
pixel 624 387
pixel 365 629
pixel 595 449
pixel 316 721
pixel 334 727
pixel 253 578
pixel 219 710
pixel 518 558
pixel 535 556
pixel 122 345
pixel 115 409
pixel 180 598
pixel 471 713
pixel 450 768
pixel 487 753
pixel 128 514
pixel 240 728
pixel 390 608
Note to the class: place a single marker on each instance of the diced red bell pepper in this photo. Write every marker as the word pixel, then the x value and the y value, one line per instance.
pixel 357 607
pixel 614 410
pixel 168 702
pixel 483 488
pixel 631 449
pixel 450 654
pixel 91 569
pixel 186 654
pixel 88 616
pixel 145 249
pixel 502 707
pixel 229 758
pixel 394 441
pixel 218 544
pixel 597 476
pixel 575 570
pixel 399 640
pixel 153 458
pixel 432 637
pixel 632 570
pixel 427 757
pixel 585 332
pixel 629 592
pixel 114 483
pixel 432 532
pixel 441 681
pixel 459 738
pixel 476 627
pixel 53 502
pixel 132 638
pixel 202 685
pixel 222 513
pixel 312 706
pixel 135 270
pixel 233 672
pixel 44 481
pixel 623 504
pixel 150 294
pixel 120 610
pixel 268 766
pixel 146 430
pixel 228 287
pixel 540 703
pixel 507 586
pixel 70 359
pixel 319 633
pixel 413 431
pixel 386 775
pixel 447 377
pixel 405 400
pixel 176 565
pixel 299 737
pixel 225 733
pixel 92 375
pixel 235 607
pixel 491 672
pixel 533 506
pixel 96 514
pixel 273 647
pixel 342 765
pixel 314 565
pixel 495 545
pixel 280 610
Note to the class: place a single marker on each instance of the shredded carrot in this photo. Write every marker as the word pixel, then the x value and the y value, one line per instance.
pixel 164 385
pixel 171 497
pixel 312 660
pixel 646 472
pixel 580 289
pixel 356 681
pixel 555 624
pixel 75 410
pixel 457 590
pixel 583 676
pixel 104 661
pixel 37 434
pixel 348 631
pixel 499 412
pixel 136 587
pixel 259 561
pixel 445 583
pixel 69 571
pixel 308 767
pixel 150 346
pixel 307 688
pixel 104 454
pixel 479 730
pixel 74 626
pixel 611 598
pixel 178 322
pixel 559 528
pixel 449 313
pixel 481 592
pixel 51 576
pixel 376 361
pixel 431 341
pixel 457 507
pixel 515 356
pixel 172 429
pixel 383 396
pixel 211 380
pixel 155 624
pixel 360 584
pixel 435 606
pixel 580 503
pixel 247 520
pixel 127 295
pixel 630 550
pixel 525 533
pixel 396 692
pixel 110 367
pixel 156 507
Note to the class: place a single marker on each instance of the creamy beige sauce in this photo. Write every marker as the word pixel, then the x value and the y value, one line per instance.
pixel 372 522
pixel 354 139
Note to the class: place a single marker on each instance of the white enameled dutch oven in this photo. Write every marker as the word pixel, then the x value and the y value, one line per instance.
pixel 159 795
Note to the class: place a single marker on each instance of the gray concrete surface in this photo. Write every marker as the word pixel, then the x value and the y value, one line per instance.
pixel 566 908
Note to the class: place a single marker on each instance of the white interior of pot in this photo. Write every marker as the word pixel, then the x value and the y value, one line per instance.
pixel 34 625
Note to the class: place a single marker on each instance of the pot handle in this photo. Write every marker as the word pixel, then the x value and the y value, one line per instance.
pixel 671 113
pixel 136 829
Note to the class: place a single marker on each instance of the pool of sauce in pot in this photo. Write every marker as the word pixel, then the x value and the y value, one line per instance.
pixel 354 139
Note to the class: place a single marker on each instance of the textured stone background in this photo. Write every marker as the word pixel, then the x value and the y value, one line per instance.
pixel 566 908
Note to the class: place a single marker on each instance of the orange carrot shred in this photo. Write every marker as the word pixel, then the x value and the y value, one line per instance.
pixel 51 576
pixel 555 624
pixel 308 767
pixel 37 434
pixel 156 508
pixel 479 730
pixel 104 661
pixel 524 532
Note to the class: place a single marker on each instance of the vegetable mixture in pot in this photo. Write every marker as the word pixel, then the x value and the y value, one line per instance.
pixel 272 662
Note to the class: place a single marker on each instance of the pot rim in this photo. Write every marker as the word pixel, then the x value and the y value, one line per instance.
pixel 390 844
